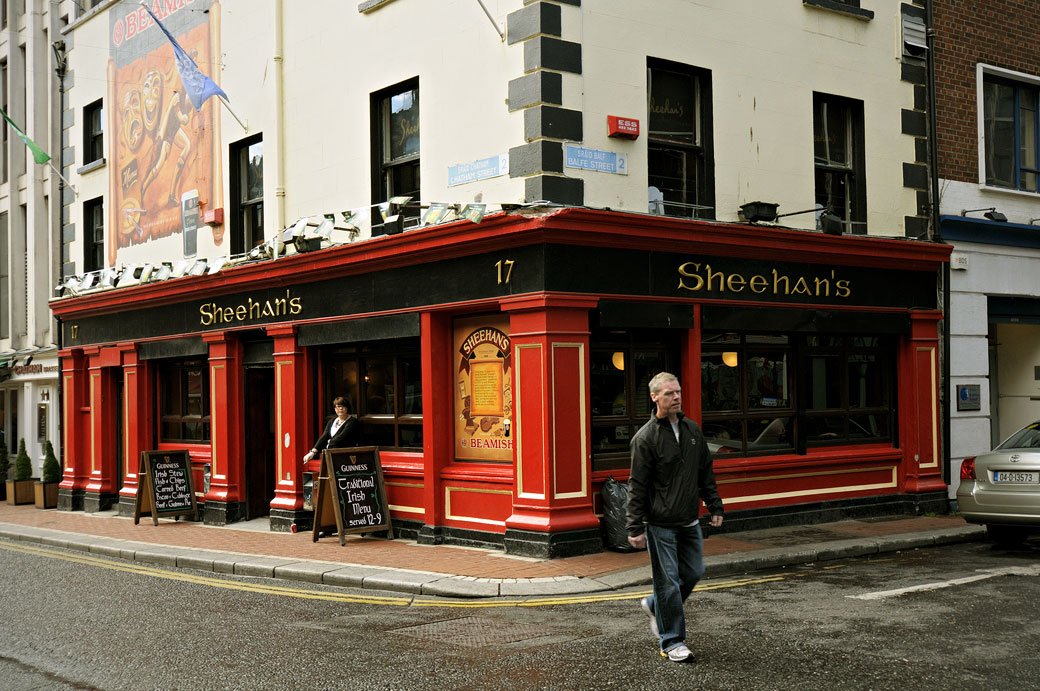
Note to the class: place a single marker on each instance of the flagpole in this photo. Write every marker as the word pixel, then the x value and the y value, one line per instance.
pixel 228 106
pixel 63 179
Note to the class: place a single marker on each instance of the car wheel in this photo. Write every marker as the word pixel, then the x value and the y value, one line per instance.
pixel 1005 535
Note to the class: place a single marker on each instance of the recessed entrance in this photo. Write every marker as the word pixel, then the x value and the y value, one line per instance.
pixel 260 440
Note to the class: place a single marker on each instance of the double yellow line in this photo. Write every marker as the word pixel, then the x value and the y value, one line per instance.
pixel 302 593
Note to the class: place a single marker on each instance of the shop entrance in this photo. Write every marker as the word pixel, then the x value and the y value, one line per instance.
pixel 260 440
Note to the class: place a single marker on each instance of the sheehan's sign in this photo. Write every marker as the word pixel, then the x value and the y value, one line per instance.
pixel 699 277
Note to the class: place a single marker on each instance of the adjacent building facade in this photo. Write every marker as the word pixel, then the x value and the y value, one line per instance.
pixel 488 239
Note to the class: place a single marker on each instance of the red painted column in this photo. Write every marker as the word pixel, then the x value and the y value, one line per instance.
pixel 552 488
pixel 226 496
pixel 690 377
pixel 294 398
pixel 74 442
pixel 138 420
pixel 920 422
pixel 102 451
pixel 438 447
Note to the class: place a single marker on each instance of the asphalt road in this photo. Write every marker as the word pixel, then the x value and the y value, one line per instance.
pixel 955 617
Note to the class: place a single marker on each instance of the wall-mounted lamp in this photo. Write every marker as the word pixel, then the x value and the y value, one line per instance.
pixel 729 358
pixel 991 213
pixel 618 360
pixel 1033 221
pixel 831 223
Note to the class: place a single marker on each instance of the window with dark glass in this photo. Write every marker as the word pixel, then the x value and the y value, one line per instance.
pixel 184 402
pixel 778 393
pixel 395 142
pixel 622 363
pixel 681 175
pixel 1011 123
pixel 94 234
pixel 839 159
pixel 247 194
pixel 383 383
pixel 93 132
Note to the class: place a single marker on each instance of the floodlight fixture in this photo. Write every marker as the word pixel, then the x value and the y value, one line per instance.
pixel 199 268
pixel 324 229
pixel 474 212
pixel 163 272
pixel 991 213
pixel 128 277
pixel 181 268
pixel 218 264
pixel 109 278
pixel 831 223
pixel 88 280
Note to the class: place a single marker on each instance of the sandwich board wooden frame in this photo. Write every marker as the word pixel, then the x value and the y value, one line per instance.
pixel 146 486
pixel 337 484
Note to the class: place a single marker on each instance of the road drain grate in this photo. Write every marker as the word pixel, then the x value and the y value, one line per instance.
pixel 474 632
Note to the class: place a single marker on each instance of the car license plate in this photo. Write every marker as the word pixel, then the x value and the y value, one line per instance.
pixel 1015 477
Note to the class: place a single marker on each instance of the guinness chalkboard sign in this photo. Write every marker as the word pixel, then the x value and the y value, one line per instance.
pixel 164 486
pixel 351 494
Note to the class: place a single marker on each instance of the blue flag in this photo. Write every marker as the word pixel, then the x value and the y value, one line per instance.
pixel 199 86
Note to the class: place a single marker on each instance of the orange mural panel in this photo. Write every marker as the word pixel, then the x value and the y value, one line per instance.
pixel 483 395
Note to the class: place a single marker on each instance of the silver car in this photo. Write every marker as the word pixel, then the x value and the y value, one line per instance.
pixel 1001 489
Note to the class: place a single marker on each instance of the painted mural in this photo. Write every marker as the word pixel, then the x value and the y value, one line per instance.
pixel 164 156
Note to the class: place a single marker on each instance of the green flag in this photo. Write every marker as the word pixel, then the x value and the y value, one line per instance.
pixel 38 154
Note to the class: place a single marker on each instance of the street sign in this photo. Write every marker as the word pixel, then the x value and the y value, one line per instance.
pixel 592 159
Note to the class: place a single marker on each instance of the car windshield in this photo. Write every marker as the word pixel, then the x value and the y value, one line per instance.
pixel 1026 438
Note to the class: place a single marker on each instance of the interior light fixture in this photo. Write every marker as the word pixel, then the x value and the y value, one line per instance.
pixel 991 213
pixel 618 360
pixel 729 358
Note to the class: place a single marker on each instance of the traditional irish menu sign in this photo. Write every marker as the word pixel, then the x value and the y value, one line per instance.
pixel 164 486
pixel 351 494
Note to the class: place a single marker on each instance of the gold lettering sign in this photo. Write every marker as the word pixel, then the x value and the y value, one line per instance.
pixel 211 313
pixel 696 277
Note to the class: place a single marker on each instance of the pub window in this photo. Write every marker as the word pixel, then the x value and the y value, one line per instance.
pixel 93 132
pixel 383 383
pixel 184 402
pixel 94 234
pixel 395 142
pixel 839 160
pixel 777 393
pixel 622 363
pixel 247 194
pixel 681 166
pixel 1011 118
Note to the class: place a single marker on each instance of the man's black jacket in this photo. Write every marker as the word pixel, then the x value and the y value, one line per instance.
pixel 669 478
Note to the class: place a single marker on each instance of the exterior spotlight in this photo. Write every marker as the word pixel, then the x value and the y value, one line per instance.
pixel 474 212
pixel 754 212
pixel 991 213
pixel 831 224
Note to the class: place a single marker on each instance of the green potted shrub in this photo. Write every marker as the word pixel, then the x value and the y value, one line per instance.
pixel 5 465
pixel 47 488
pixel 20 489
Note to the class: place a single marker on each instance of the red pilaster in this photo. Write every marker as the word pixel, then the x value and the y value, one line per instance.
pixel 226 427
pixel 550 338
pixel 294 396
pixel 76 415
pixel 437 382
pixel 138 416
pixel 690 377
pixel 919 430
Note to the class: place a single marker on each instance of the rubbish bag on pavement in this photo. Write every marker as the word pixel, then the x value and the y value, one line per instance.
pixel 614 496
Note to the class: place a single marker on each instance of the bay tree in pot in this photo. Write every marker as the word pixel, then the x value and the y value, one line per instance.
pixel 20 489
pixel 46 490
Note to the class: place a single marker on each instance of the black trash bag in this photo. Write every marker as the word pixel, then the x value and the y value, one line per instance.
pixel 614 497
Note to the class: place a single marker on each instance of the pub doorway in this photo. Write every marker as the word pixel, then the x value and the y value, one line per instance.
pixel 260 440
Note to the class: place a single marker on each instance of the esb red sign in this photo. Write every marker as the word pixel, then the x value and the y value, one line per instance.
pixel 626 128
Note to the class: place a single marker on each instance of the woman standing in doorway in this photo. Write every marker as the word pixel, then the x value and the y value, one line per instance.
pixel 340 433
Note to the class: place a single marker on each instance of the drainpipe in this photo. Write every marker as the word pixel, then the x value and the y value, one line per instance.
pixel 279 120
pixel 61 65
pixel 936 236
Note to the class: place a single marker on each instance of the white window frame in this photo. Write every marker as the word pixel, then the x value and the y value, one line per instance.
pixel 981 71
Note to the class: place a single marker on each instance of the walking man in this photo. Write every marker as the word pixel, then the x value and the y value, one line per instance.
pixel 671 473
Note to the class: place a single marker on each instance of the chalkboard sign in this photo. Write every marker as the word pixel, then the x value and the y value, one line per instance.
pixel 164 486
pixel 351 494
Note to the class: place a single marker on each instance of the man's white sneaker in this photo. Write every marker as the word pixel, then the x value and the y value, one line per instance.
pixel 679 653
pixel 645 604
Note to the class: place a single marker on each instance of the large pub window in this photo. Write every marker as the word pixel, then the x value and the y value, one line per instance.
pixel 681 175
pixel 782 393
pixel 622 364
pixel 184 415
pixel 383 383
pixel 247 194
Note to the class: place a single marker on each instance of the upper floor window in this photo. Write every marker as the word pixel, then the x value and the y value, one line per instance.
pixel 681 166
pixel 395 142
pixel 184 401
pixel 839 159
pixel 247 194
pixel 94 234
pixel 93 132
pixel 1010 124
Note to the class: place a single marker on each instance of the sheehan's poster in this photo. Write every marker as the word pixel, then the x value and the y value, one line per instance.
pixel 164 158
pixel 483 390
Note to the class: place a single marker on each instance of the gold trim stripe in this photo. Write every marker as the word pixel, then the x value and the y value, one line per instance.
pixel 813 492
pixel 518 427
pixel 583 492
pixel 447 504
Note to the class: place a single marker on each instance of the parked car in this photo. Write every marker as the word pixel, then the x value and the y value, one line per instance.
pixel 1001 489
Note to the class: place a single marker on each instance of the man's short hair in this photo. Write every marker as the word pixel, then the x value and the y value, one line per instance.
pixel 659 379
pixel 340 400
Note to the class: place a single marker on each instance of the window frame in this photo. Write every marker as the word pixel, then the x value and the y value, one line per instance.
pixel 854 214
pixel 176 373
pixel 1019 83
pixel 93 138
pixel 247 229
pixel 701 183
pixel 383 166
pixel 94 234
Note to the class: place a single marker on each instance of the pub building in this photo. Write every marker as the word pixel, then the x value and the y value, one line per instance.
pixel 502 368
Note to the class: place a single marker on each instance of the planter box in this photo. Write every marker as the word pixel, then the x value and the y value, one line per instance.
pixel 46 494
pixel 20 491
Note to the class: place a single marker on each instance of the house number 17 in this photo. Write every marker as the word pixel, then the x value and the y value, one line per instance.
pixel 506 264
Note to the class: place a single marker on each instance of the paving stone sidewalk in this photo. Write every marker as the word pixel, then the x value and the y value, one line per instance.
pixel 250 549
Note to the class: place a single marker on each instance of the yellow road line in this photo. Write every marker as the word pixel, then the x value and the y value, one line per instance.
pixel 282 591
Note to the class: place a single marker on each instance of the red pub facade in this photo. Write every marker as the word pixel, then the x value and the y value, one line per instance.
pixel 501 368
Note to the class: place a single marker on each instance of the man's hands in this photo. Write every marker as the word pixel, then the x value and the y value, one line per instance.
pixel 716 520
pixel 639 541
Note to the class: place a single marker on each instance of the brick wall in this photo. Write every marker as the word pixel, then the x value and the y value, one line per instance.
pixel 1002 33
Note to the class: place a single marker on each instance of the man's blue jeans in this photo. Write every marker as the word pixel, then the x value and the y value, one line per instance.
pixel 677 563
